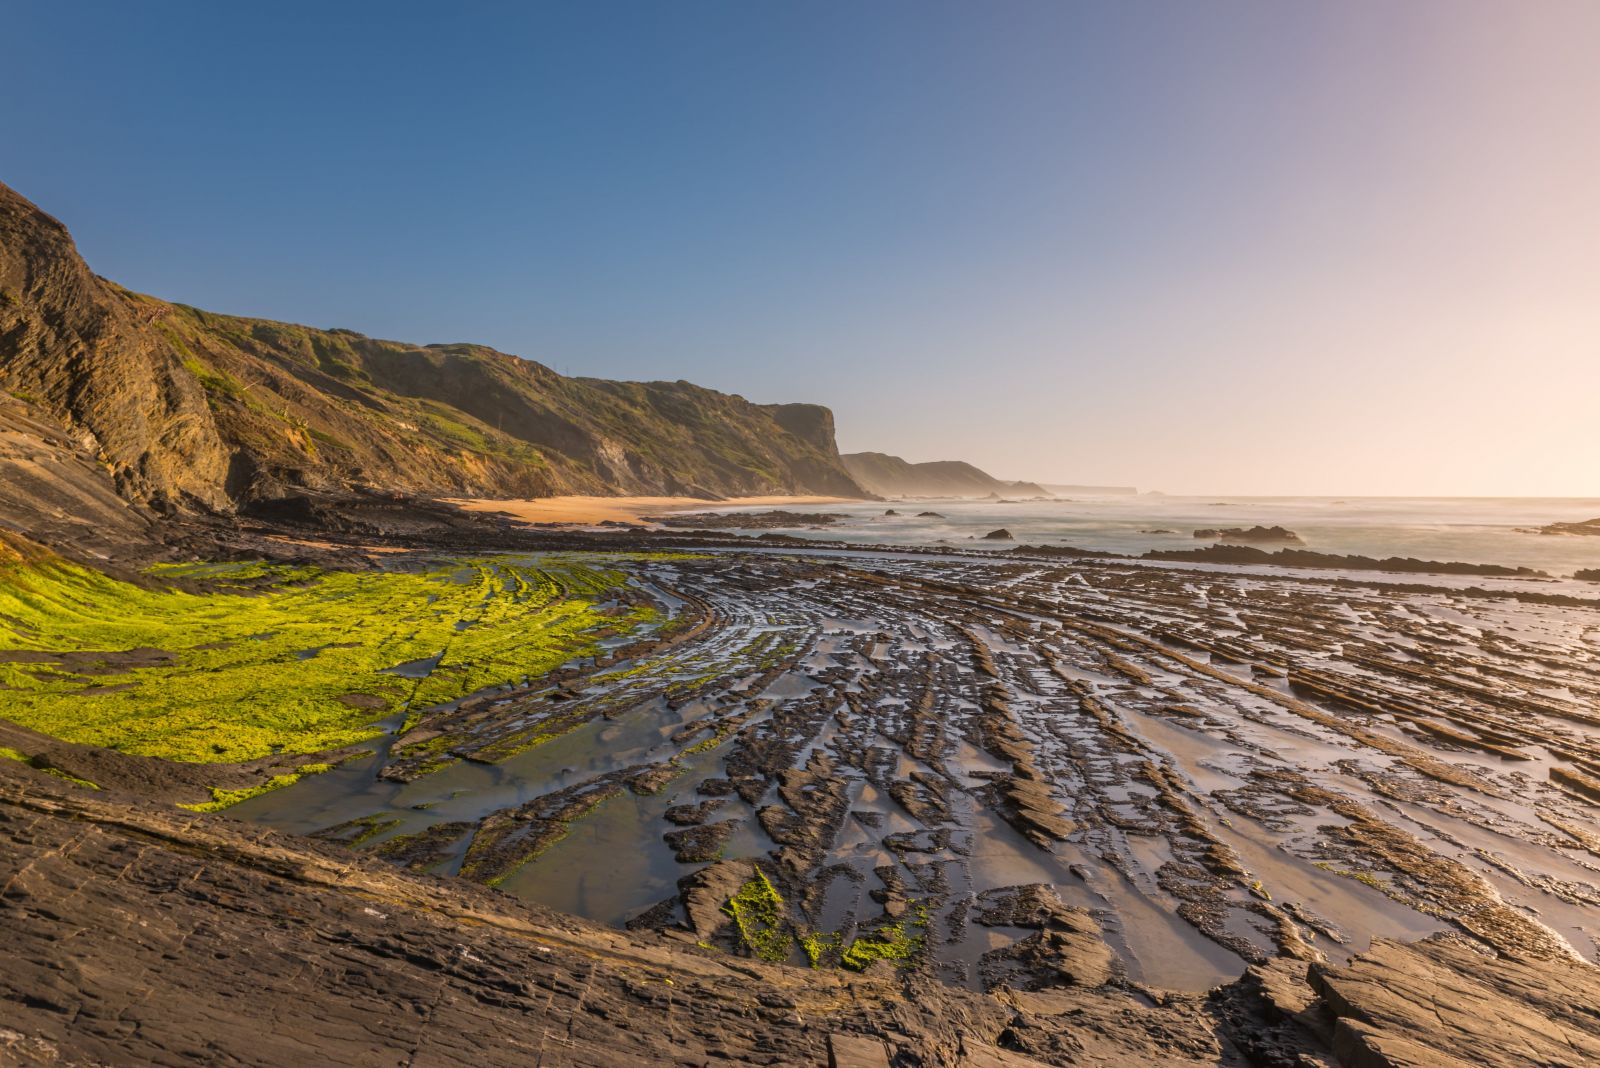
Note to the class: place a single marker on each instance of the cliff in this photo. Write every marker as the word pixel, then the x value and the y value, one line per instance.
pixel 890 476
pixel 178 409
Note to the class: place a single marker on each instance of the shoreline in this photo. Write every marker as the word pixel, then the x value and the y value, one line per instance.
pixel 589 511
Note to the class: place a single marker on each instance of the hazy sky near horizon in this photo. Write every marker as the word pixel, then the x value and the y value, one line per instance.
pixel 1228 247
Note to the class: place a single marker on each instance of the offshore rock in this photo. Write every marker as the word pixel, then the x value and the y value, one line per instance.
pixel 1250 535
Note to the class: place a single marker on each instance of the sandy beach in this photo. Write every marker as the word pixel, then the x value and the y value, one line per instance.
pixel 585 511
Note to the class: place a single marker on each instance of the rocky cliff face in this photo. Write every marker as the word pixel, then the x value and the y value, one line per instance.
pixel 187 410
pixel 88 359
pixel 891 476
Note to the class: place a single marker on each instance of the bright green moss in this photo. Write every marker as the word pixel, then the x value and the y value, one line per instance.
pixel 285 660
pixel 221 799
pixel 818 946
pixel 890 942
pixel 758 910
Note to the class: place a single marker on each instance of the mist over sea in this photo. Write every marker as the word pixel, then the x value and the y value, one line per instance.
pixel 1478 530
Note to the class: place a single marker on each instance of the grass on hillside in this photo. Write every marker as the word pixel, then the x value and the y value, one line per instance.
pixel 280 660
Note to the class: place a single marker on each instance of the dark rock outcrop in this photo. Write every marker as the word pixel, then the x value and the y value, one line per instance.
pixel 1589 527
pixel 1246 554
pixel 1250 535
pixel 773 520
pixel 998 535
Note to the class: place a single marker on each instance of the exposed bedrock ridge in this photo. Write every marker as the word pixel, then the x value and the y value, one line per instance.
pixel 190 938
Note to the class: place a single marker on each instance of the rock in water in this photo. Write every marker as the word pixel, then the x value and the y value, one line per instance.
pixel 999 535
pixel 1589 526
pixel 1250 536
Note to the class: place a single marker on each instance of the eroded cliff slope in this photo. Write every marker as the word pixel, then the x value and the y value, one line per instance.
pixel 183 409
pixel 891 476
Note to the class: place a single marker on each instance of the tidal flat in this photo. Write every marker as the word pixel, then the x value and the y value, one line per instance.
pixel 797 797
pixel 939 762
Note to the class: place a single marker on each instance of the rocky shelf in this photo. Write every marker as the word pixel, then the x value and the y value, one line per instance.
pixel 192 939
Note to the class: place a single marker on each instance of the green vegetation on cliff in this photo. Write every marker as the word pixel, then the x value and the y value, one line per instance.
pixel 279 660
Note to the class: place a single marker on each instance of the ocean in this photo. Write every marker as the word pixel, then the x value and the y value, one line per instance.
pixel 1478 530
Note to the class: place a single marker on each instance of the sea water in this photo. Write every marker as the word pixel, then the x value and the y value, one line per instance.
pixel 1477 530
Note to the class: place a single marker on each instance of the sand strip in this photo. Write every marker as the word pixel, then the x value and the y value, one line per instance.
pixel 587 511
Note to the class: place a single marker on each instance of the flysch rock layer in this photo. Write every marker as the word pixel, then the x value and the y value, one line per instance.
pixel 141 935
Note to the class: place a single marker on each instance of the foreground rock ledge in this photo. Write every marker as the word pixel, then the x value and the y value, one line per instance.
pixel 140 934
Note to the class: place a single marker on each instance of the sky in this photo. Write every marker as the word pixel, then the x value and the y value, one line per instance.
pixel 1339 248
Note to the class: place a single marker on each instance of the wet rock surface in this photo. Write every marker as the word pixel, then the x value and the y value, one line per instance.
pixel 1063 786
pixel 1247 554
pixel 1216 770
pixel 197 939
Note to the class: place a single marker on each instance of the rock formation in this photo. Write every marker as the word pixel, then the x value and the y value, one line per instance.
pixel 1589 526
pixel 890 476
pixel 1247 554
pixel 1250 535
pixel 181 410
pixel 171 949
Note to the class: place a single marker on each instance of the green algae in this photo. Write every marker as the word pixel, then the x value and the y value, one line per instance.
pixel 818 946
pixel 705 745
pixel 278 660
pixel 1359 876
pixel 891 942
pixel 221 799
pixel 758 910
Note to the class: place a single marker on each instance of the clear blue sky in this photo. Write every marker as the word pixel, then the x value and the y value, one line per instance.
pixel 1227 247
